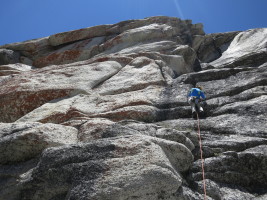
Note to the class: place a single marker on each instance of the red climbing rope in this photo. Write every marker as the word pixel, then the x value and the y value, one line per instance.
pixel 202 160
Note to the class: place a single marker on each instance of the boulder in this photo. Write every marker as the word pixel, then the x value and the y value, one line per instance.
pixel 235 143
pixel 25 60
pixel 234 84
pixel 186 193
pixel 93 129
pixel 23 141
pixel 222 191
pixel 31 48
pixel 8 56
pixel 246 168
pixel 11 174
pixel 122 168
pixel 96 128
pixel 254 107
pixel 227 124
pixel 76 35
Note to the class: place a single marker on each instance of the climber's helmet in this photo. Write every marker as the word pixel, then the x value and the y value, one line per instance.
pixel 199 87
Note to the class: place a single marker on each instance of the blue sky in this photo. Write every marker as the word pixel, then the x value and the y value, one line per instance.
pixel 29 19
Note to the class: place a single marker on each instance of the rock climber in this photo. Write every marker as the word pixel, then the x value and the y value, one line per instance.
pixel 195 96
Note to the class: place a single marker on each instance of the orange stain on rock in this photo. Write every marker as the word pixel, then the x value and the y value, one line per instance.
pixel 57 58
pixel 19 103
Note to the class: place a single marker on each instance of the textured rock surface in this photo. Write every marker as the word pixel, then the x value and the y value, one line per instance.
pixel 23 141
pixel 8 56
pixel 249 48
pixel 91 170
pixel 102 113
pixel 17 68
pixel 210 47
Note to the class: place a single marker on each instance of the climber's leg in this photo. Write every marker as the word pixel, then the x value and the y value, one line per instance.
pixel 193 107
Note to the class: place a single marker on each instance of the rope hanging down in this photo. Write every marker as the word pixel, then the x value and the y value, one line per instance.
pixel 202 160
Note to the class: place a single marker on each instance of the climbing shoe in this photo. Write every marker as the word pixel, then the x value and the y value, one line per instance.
pixel 194 115
pixel 202 115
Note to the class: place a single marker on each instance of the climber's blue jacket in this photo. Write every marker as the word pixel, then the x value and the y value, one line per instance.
pixel 195 92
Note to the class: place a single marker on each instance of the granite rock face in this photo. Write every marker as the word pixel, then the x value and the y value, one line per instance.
pixel 102 113
pixel 8 56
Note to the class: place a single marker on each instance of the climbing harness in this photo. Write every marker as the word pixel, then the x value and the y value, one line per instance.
pixel 202 160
